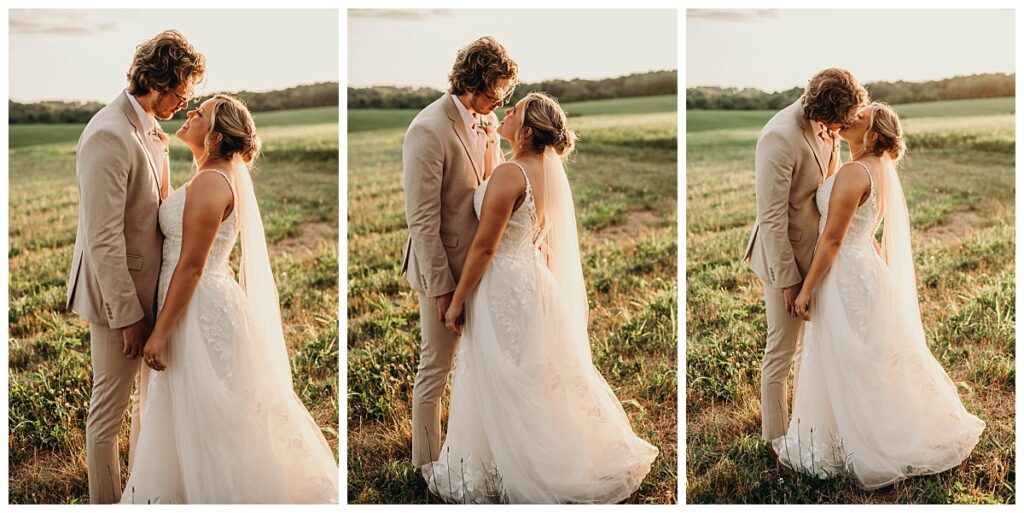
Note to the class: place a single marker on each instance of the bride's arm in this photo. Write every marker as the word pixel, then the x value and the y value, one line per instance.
pixel 206 200
pixel 503 190
pixel 850 187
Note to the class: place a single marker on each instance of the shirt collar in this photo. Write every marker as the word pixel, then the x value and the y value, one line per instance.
pixel 148 123
pixel 467 117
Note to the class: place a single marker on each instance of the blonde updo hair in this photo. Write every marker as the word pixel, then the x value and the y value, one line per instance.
pixel 885 133
pixel 230 118
pixel 545 117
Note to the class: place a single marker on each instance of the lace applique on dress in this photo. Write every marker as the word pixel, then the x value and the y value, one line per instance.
pixel 515 254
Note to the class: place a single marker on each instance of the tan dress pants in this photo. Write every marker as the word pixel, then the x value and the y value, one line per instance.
pixel 113 375
pixel 437 354
pixel 781 352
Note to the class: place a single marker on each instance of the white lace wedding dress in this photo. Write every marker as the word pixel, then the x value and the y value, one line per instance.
pixel 870 400
pixel 531 419
pixel 215 429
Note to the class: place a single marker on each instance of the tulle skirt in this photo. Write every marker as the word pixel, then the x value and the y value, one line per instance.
pixel 214 429
pixel 531 419
pixel 870 400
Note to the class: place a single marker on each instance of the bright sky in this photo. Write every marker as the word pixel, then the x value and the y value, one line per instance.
pixel 85 54
pixel 780 49
pixel 418 48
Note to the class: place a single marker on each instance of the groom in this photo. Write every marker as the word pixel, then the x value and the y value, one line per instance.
pixel 796 151
pixel 443 164
pixel 123 174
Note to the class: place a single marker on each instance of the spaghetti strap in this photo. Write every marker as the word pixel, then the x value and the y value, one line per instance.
pixel 529 188
pixel 525 176
pixel 231 186
pixel 868 171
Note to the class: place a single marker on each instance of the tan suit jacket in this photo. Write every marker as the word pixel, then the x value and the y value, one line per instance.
pixel 791 161
pixel 118 248
pixel 442 167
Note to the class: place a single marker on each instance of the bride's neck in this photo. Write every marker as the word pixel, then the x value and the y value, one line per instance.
pixel 527 155
pixel 856 151
pixel 208 161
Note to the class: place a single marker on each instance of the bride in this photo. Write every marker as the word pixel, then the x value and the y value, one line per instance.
pixel 531 419
pixel 870 400
pixel 221 422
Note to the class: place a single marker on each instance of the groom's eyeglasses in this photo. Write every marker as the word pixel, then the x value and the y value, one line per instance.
pixel 182 100
pixel 504 97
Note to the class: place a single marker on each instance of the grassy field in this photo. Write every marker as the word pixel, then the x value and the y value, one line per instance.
pixel 959 181
pixel 360 120
pixel 624 183
pixel 50 375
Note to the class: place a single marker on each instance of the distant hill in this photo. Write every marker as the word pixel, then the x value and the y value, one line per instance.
pixel 322 94
pixel 990 85
pixel 652 83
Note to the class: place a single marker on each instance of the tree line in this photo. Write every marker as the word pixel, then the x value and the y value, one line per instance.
pixel 988 85
pixel 322 94
pixel 578 89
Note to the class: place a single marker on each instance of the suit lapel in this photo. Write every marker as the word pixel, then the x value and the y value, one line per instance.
pixel 133 118
pixel 811 136
pixel 463 132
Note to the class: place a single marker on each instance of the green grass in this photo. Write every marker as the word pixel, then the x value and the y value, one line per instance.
pixel 50 375
pixel 698 120
pixel 624 182
pixel 41 134
pixel 360 120
pixel 959 181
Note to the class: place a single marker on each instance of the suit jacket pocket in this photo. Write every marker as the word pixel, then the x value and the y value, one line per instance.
pixel 134 262
pixel 795 236
pixel 450 240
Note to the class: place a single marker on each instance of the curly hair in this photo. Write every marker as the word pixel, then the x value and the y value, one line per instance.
pixel 545 117
pixel 480 65
pixel 832 96
pixel 230 118
pixel 165 62
pixel 885 126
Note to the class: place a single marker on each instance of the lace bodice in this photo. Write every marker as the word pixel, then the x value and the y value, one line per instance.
pixel 523 229
pixel 865 220
pixel 172 212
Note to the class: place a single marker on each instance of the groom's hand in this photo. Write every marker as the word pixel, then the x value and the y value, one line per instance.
pixel 789 294
pixel 443 302
pixel 134 338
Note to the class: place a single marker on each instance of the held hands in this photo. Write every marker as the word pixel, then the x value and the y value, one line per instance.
pixel 802 305
pixel 154 352
pixel 445 308
pixel 789 295
pixel 134 338
pixel 442 304
pixel 453 318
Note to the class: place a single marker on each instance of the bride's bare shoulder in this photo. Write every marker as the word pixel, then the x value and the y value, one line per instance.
pixel 852 176
pixel 209 189
pixel 507 175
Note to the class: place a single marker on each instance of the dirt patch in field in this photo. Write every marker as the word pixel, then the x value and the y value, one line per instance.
pixel 313 235
pixel 960 226
pixel 635 221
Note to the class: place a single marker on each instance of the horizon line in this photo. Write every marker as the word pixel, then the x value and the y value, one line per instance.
pixel 71 100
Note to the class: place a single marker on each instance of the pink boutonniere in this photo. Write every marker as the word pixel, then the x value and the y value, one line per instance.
pixel 162 136
pixel 489 129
